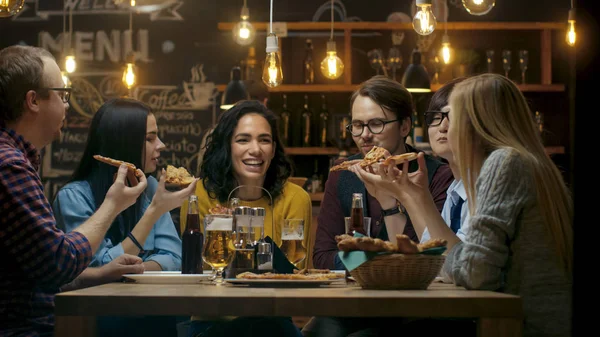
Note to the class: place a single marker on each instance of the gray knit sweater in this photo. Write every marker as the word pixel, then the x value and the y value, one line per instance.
pixel 508 247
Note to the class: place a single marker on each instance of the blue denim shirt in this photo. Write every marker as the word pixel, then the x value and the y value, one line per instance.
pixel 74 204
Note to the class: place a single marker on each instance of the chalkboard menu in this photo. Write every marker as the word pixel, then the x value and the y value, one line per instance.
pixel 181 124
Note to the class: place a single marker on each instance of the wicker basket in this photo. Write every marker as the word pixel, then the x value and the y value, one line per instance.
pixel 398 271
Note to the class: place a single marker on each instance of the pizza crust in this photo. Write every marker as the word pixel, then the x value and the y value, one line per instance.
pixel 376 155
pixel 117 163
pixel 274 276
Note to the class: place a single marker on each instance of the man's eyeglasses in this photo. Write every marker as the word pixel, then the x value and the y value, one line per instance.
pixel 435 118
pixel 65 93
pixel 375 126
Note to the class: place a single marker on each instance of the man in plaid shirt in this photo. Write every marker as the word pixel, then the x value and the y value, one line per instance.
pixel 38 257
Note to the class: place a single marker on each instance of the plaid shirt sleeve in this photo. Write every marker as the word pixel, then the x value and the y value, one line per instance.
pixel 29 234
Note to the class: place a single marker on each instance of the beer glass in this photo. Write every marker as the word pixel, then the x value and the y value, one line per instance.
pixel 292 240
pixel 218 246
pixel 366 222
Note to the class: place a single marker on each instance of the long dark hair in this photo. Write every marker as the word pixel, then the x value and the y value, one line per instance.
pixel 118 131
pixel 217 169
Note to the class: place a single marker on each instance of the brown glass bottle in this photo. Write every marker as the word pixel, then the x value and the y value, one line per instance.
pixel 192 240
pixel 357 215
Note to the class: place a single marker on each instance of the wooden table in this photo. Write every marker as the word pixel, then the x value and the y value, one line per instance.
pixel 497 314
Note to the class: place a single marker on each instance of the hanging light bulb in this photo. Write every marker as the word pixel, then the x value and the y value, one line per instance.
pixel 10 7
pixel 332 66
pixel 244 32
pixel 478 7
pixel 70 63
pixel 571 34
pixel 424 21
pixel 272 75
pixel 65 78
pixel 446 50
pixel 129 75
pixel 129 78
pixel 132 3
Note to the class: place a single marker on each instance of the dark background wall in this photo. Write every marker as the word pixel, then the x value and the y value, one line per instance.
pixel 175 46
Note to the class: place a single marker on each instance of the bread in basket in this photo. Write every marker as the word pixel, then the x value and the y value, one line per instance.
pixel 378 264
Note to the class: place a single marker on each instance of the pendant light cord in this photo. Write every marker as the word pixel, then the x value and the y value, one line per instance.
pixel 332 5
pixel 64 41
pixel 70 25
pixel 271 21
pixel 131 29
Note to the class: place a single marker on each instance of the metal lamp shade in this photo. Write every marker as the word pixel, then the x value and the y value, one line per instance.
pixel 235 90
pixel 416 78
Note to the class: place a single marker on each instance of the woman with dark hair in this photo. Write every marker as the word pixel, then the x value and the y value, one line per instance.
pixel 125 129
pixel 245 149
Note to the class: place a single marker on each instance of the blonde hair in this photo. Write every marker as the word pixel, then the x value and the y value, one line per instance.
pixel 489 112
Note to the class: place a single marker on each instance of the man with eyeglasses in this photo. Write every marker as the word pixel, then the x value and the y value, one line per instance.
pixel 39 258
pixel 381 116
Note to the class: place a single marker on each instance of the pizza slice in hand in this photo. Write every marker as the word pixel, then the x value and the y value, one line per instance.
pixel 178 176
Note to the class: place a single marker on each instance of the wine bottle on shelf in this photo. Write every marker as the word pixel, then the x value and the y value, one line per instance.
pixel 284 126
pixel 323 122
pixel 306 123
pixel 417 130
pixel 344 136
pixel 309 65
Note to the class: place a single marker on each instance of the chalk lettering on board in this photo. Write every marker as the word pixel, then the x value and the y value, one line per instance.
pixel 34 10
pixel 69 137
pixel 98 46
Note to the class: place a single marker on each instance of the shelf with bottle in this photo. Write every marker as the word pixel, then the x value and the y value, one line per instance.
pixel 312 151
pixel 545 46
pixel 329 88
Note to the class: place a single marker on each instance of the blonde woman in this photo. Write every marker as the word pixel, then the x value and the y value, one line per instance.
pixel 520 237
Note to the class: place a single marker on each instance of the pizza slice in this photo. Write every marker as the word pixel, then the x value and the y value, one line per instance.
pixel 117 163
pixel 400 158
pixel 374 156
pixel 344 165
pixel 178 176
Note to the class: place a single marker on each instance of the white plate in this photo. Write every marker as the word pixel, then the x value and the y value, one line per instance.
pixel 168 277
pixel 279 283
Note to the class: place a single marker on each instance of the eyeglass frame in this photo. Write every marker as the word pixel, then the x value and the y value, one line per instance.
pixel 445 114
pixel 385 122
pixel 67 91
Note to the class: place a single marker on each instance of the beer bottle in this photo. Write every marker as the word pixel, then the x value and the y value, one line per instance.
pixel 357 215
pixel 192 240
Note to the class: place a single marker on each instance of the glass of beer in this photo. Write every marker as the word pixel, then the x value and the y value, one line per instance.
pixel 292 240
pixel 218 246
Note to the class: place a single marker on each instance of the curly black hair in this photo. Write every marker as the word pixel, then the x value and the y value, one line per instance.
pixel 217 169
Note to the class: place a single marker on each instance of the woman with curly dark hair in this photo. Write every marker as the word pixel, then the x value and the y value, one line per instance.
pixel 245 149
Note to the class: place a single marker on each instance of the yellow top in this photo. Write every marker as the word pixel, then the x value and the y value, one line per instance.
pixel 294 203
